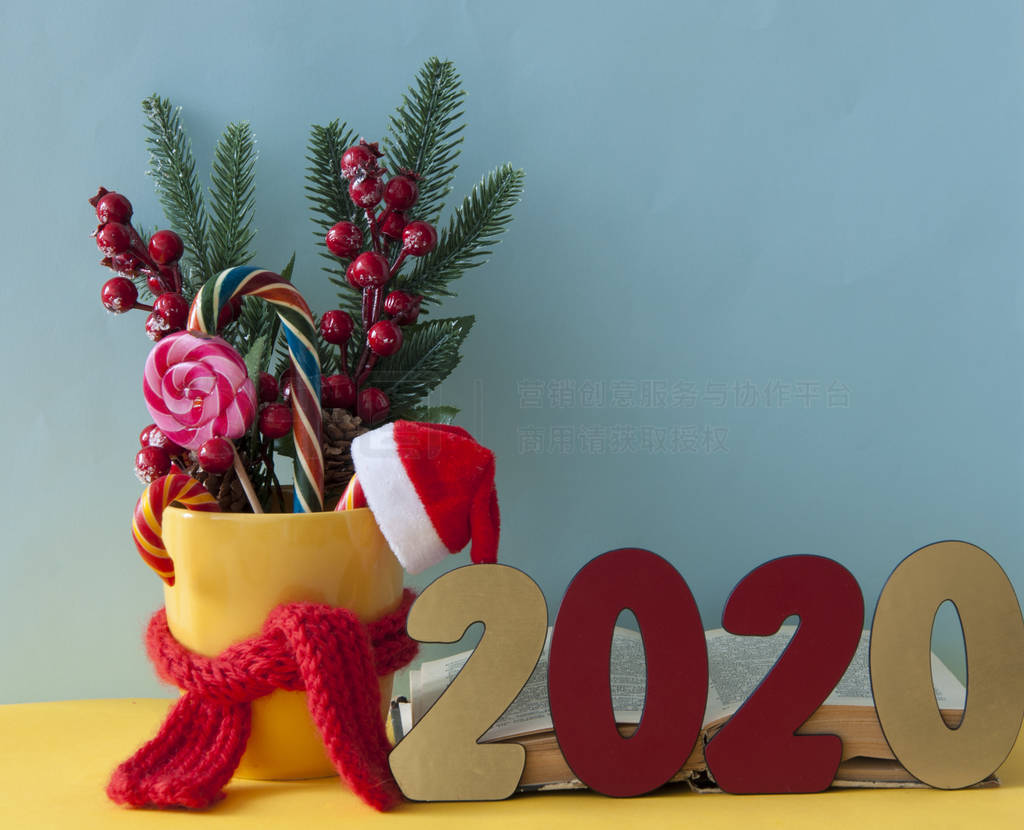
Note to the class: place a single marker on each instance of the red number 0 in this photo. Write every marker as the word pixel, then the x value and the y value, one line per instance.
pixel 756 751
pixel 579 687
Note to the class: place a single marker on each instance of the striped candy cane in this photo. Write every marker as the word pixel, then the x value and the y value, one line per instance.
pixel 147 521
pixel 300 332
pixel 353 498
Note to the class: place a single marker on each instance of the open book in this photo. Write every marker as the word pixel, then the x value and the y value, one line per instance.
pixel 737 665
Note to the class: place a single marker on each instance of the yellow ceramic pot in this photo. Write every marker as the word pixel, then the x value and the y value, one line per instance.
pixel 231 569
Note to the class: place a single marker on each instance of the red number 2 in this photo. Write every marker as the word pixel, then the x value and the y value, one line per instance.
pixel 756 751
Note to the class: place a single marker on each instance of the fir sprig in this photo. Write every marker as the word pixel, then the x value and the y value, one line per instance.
pixel 432 414
pixel 174 171
pixel 325 187
pixel 429 353
pixel 328 195
pixel 424 135
pixel 232 196
pixel 470 235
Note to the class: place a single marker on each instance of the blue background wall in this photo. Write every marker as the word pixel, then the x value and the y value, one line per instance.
pixel 781 238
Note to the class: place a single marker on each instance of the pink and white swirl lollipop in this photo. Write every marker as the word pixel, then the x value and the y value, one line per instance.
pixel 196 387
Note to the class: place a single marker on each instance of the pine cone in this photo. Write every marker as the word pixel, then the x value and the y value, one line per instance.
pixel 226 488
pixel 340 427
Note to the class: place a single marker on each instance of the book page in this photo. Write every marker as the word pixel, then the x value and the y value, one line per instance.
pixel 529 712
pixel 739 664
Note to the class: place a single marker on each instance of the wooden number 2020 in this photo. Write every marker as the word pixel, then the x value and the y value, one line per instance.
pixel 440 760
pixel 756 751
pixel 901 674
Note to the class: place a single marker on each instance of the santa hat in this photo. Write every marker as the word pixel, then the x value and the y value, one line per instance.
pixel 431 490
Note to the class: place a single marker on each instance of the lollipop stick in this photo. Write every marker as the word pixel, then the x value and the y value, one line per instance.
pixel 243 477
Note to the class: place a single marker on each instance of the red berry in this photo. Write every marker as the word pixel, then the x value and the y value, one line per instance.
pixel 216 455
pixel 113 238
pixel 408 317
pixel 153 436
pixel 402 307
pixel 157 327
pixel 125 263
pixel 368 270
pixel 275 420
pixel 397 302
pixel 286 384
pixel 393 224
pixel 360 159
pixel 374 405
pixel 113 207
pixel 151 463
pixel 267 385
pixel 166 247
pixel 173 308
pixel 419 238
pixel 156 285
pixel 344 240
pixel 119 295
pixel 337 392
pixel 401 192
pixel 336 327
pixel 366 192
pixel 384 337
pixel 229 312
pixel 355 161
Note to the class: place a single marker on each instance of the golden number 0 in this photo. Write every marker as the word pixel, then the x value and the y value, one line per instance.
pixel 440 759
pixel 901 675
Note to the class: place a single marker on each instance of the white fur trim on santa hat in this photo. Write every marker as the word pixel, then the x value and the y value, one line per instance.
pixel 394 502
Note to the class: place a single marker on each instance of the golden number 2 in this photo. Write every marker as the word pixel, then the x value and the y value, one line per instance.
pixel 440 759
pixel 901 675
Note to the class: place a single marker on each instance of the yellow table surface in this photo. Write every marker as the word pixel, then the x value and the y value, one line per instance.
pixel 55 759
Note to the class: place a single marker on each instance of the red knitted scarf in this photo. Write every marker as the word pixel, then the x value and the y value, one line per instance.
pixel 327 652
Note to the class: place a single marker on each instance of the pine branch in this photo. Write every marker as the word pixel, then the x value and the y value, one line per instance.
pixel 256 318
pixel 429 414
pixel 174 172
pixel 471 232
pixel 282 360
pixel 429 353
pixel 327 192
pixel 329 363
pixel 424 135
pixel 232 194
